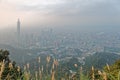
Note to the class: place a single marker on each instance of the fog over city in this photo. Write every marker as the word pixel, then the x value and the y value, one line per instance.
pixel 50 13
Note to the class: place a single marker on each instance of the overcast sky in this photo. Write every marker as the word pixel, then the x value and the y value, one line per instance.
pixel 59 12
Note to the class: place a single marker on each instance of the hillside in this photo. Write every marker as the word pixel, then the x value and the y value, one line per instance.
pixel 100 59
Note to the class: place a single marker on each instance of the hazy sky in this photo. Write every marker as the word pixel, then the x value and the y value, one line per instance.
pixel 59 12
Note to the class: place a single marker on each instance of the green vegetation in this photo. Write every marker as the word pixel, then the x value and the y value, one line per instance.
pixel 8 69
pixel 52 70
pixel 99 59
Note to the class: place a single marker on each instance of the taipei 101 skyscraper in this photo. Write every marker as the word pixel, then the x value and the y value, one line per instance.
pixel 18 33
pixel 18 28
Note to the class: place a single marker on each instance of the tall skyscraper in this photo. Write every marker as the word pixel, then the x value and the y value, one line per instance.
pixel 18 27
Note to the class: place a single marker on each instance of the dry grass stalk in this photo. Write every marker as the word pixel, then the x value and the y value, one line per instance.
pixel 2 67
pixel 27 76
pixel 81 69
pixel 10 65
pixel 48 59
pixel 18 68
pixel 56 63
pixel 53 66
pixel 42 68
pixel 28 66
pixel 25 68
pixel 99 72
pixel 36 75
pixel 93 75
pixel 104 76
pixel 53 75
pixel 40 74
pixel 75 65
pixel 108 67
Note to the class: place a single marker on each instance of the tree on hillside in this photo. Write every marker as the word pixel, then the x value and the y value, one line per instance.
pixel 8 69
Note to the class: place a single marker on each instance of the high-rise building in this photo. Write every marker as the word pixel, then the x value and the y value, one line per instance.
pixel 18 27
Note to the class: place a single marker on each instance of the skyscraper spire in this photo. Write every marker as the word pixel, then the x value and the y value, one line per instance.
pixel 18 27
